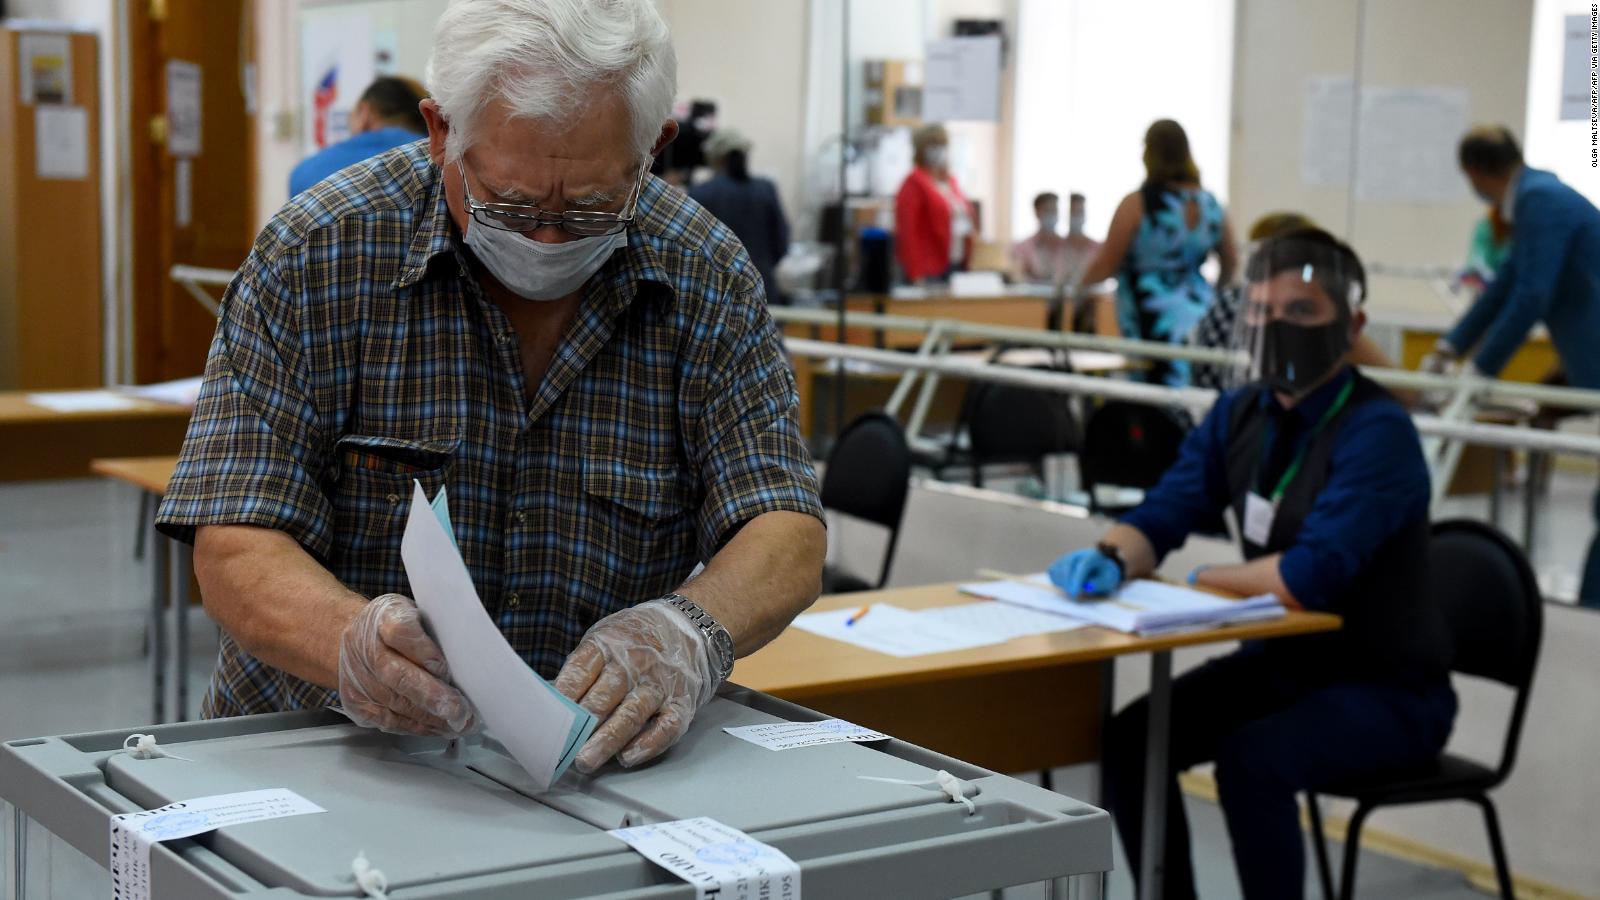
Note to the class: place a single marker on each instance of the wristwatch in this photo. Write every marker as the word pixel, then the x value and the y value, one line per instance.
pixel 717 637
pixel 1113 553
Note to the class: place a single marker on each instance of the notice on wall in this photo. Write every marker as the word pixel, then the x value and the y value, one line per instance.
pixel 1325 131
pixel 1577 68
pixel 1406 150
pixel 183 108
pixel 45 74
pixel 61 142
pixel 962 80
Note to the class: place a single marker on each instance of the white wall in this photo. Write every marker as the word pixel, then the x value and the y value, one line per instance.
pixel 1089 83
pixel 1479 45
pixel 1550 808
pixel 1560 146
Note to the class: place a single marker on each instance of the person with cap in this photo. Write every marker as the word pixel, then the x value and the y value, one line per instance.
pixel 1551 275
pixel 748 205
pixel 1325 473
pixel 934 224
pixel 386 116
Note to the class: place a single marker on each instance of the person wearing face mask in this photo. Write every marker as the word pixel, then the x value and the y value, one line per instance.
pixel 934 224
pixel 1326 476
pixel 515 310
pixel 1041 258
pixel 1551 275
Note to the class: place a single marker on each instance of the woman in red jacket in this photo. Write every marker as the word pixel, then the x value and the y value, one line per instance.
pixel 934 223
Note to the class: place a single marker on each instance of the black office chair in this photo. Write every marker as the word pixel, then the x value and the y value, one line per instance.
pixel 1496 617
pixel 1011 424
pixel 868 477
pixel 1128 444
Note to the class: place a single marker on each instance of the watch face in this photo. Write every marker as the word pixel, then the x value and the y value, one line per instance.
pixel 724 646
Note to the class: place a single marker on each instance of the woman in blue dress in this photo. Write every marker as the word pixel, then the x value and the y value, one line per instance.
pixel 1160 236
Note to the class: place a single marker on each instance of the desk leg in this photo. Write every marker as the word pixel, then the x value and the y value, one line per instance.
pixel 1156 781
pixel 1531 487
pixel 161 566
pixel 19 853
pixel 1497 476
pixel 182 566
pixel 1108 699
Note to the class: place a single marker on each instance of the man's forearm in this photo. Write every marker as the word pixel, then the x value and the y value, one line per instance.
pixel 274 599
pixel 1259 576
pixel 761 579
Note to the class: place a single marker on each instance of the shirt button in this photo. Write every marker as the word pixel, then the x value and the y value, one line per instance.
pixel 394 499
pixel 521 517
pixel 513 601
pixel 502 337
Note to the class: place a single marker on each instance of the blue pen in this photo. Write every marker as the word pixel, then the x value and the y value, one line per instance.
pixel 857 616
pixel 1089 588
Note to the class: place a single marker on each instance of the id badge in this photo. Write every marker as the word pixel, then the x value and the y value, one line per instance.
pixel 1258 515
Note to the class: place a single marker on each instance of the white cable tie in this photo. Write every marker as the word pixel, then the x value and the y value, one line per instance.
pixel 144 746
pixel 942 780
pixel 371 881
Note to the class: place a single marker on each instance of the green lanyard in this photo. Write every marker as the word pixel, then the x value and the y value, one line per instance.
pixel 1300 457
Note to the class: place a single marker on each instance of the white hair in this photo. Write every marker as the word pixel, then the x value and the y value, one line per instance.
pixel 545 59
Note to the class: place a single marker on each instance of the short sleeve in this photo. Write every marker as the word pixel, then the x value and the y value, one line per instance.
pixel 254 450
pixel 747 443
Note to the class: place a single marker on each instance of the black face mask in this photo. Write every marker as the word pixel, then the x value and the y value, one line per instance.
pixel 1293 357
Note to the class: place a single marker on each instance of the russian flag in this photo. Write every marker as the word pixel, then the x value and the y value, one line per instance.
pixel 322 104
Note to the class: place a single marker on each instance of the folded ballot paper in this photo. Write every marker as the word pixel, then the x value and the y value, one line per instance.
pixel 538 725
pixel 1140 607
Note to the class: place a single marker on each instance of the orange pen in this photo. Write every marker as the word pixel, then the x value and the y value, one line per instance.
pixel 856 616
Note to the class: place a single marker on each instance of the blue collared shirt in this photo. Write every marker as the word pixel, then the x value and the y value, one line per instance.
pixel 348 152
pixel 1377 481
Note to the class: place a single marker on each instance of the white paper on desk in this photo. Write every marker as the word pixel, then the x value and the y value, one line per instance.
pixel 183 392
pixel 1003 621
pixel 81 401
pixel 892 630
pixel 1142 606
pixel 541 728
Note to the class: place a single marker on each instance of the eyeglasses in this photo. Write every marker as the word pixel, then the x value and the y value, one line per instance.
pixel 520 218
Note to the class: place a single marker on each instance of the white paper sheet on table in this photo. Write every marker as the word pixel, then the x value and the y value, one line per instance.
pixel 1002 621
pixel 541 728
pixel 1141 607
pixel 892 630
pixel 183 392
pixel 82 401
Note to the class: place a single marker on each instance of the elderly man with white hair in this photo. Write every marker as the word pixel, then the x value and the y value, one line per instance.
pixel 513 308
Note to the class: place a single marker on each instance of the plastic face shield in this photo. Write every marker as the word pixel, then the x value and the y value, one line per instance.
pixel 1295 306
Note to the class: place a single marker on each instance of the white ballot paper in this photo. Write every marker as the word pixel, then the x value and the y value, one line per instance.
pixel 790 735
pixel 1001 620
pixel 1142 606
pixel 133 833
pixel 721 862
pixel 541 728
pixel 891 630
pixel 82 401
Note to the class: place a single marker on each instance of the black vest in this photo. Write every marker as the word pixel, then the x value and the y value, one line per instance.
pixel 1392 628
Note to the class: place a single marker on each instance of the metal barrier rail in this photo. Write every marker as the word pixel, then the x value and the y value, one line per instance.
pixel 192 277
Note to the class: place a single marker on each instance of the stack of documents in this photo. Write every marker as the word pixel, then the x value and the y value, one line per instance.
pixel 886 628
pixel 541 728
pixel 1140 607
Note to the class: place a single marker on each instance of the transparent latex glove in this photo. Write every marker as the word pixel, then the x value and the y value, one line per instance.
pixel 644 672
pixel 391 674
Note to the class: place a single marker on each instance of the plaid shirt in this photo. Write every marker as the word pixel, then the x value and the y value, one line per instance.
pixel 356 352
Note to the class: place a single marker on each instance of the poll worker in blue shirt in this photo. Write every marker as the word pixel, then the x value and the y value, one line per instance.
pixel 1552 275
pixel 387 115
pixel 1326 475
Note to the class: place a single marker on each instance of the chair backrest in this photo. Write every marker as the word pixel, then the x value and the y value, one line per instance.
pixel 1010 423
pixel 1129 444
pixel 1495 611
pixel 869 475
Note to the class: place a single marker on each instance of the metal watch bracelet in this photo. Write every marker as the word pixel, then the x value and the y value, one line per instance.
pixel 718 641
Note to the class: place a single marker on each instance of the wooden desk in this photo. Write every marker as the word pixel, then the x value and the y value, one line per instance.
pixel 171 575
pixel 36 442
pixel 1031 703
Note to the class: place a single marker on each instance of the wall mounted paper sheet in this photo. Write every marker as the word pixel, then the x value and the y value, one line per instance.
pixel 542 729
pixel 183 108
pixel 1407 145
pixel 1325 131
pixel 44 68
pixel 963 80
pixel 61 142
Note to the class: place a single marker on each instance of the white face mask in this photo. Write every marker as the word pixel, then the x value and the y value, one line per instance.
pixel 936 157
pixel 535 270
pixel 1075 224
pixel 1049 221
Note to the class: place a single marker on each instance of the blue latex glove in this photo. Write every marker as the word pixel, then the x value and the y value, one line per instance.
pixel 1086 573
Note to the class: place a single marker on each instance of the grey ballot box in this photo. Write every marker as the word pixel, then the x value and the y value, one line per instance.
pixel 446 820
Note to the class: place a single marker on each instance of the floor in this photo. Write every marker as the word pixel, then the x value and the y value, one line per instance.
pixel 72 607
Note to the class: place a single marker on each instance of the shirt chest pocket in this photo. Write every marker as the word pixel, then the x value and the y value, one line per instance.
pixel 638 515
pixel 372 496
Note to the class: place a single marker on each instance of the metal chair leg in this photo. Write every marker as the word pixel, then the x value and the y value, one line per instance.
pixel 142 532
pixel 1352 852
pixel 1502 868
pixel 1045 780
pixel 1319 845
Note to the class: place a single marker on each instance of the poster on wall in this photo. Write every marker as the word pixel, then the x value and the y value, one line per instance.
pixel 183 108
pixel 337 62
pixel 61 142
pixel 45 68
pixel 1407 145
pixel 1325 131
pixel 1576 68
pixel 962 80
